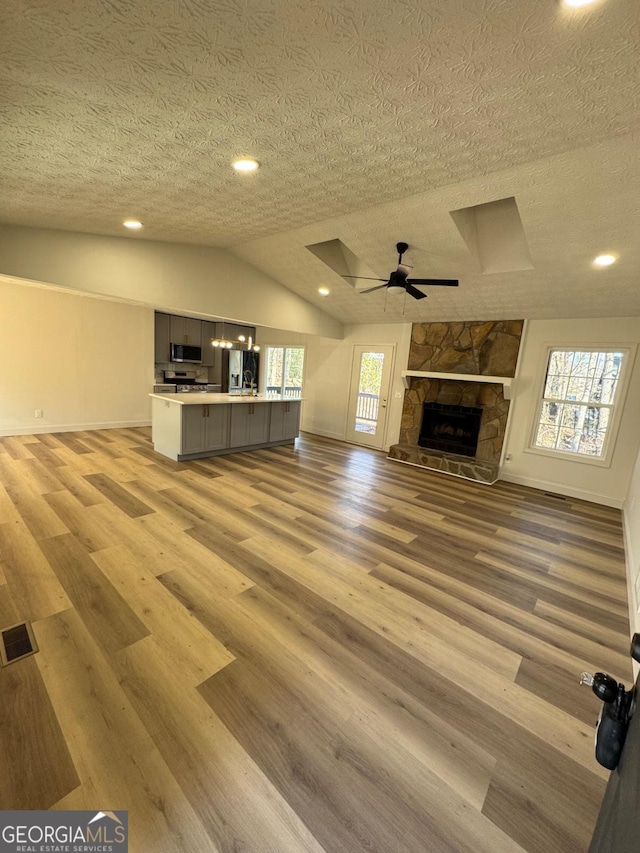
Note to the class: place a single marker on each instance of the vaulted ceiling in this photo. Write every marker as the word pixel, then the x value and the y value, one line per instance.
pixel 372 122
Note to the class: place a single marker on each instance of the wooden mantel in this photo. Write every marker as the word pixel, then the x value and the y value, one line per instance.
pixel 505 381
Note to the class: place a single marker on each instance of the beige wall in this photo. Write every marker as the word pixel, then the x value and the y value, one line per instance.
pixel 328 366
pixel 85 362
pixel 171 277
pixel 606 485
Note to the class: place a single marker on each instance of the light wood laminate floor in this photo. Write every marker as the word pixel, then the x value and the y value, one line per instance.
pixel 310 649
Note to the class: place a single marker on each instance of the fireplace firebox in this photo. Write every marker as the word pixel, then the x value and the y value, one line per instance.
pixel 452 429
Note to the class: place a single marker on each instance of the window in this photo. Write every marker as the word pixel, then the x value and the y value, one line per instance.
pixel 577 411
pixel 285 367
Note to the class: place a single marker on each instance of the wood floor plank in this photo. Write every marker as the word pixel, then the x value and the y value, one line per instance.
pixel 524 633
pixel 236 804
pixel 32 583
pixel 195 653
pixel 348 686
pixel 35 512
pixel 37 768
pixel 116 760
pixel 118 495
pixel 107 616
pixel 305 648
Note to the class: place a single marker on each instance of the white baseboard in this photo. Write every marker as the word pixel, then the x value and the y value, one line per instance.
pixel 73 427
pixel 558 489
pixel 335 435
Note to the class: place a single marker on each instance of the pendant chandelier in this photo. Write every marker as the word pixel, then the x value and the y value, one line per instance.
pixel 224 343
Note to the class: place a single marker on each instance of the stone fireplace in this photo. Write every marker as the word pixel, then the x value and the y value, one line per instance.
pixel 475 409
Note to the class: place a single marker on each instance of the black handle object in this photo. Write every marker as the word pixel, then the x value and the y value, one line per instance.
pixel 610 736
pixel 613 721
pixel 635 648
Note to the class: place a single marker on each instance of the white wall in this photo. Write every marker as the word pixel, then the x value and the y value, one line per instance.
pixel 607 485
pixel 86 362
pixel 631 516
pixel 328 364
pixel 172 277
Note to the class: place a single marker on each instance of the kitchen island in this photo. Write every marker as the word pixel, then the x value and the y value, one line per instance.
pixel 191 426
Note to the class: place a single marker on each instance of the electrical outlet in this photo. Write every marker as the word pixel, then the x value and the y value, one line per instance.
pixel 37 413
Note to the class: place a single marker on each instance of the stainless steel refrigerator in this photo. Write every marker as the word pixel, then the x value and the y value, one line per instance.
pixel 240 369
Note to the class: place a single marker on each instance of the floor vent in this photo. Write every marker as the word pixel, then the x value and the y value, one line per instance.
pixel 17 642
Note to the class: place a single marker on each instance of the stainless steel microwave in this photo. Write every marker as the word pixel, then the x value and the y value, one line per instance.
pixel 186 353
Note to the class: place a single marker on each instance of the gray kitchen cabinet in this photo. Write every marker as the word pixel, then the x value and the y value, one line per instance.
pixel 162 338
pixel 285 420
pixel 186 330
pixel 209 333
pixel 204 428
pixel 249 424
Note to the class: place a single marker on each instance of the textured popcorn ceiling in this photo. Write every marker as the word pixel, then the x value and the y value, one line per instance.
pixel 371 120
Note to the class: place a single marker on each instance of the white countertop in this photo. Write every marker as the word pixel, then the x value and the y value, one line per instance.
pixel 202 398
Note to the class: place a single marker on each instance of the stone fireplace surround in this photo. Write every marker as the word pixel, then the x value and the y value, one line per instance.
pixel 462 349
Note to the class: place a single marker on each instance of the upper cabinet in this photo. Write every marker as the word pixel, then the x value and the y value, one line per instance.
pixel 170 329
pixel 186 330
pixel 209 333
pixel 163 338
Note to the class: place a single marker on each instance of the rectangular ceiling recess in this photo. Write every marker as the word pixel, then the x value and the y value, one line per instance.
pixel 494 235
pixel 342 261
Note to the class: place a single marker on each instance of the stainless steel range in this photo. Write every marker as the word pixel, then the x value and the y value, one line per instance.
pixel 190 381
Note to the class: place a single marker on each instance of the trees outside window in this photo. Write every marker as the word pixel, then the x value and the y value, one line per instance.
pixel 580 392
pixel 285 370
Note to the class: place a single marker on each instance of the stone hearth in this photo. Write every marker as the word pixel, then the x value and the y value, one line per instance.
pixel 448 463
pixel 464 349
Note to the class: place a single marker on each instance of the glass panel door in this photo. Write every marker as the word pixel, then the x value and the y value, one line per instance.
pixel 367 412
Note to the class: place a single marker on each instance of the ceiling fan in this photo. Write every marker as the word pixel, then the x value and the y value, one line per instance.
pixel 398 281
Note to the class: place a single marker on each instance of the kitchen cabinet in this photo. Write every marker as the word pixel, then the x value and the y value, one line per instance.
pixel 209 333
pixel 285 420
pixel 186 330
pixel 192 426
pixel 162 338
pixel 204 428
pixel 249 424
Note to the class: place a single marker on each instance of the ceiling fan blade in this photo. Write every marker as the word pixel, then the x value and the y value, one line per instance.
pixel 371 289
pixel 417 294
pixel 443 282
pixel 364 277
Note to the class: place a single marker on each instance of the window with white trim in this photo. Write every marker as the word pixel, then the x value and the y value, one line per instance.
pixel 579 399
pixel 284 371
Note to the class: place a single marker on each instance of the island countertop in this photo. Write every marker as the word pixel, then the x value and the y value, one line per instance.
pixel 203 398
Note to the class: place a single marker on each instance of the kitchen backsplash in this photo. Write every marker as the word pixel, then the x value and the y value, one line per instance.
pixel 202 373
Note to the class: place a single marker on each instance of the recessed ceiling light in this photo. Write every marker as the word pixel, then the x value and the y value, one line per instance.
pixel 324 291
pixel 133 224
pixel 576 3
pixel 245 165
pixel 604 260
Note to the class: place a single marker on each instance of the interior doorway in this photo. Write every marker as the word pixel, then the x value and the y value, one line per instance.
pixel 369 395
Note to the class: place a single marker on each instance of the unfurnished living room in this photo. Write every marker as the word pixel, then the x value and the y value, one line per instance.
pixel 319 445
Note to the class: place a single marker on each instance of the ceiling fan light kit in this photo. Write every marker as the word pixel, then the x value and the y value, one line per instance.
pixel 400 283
